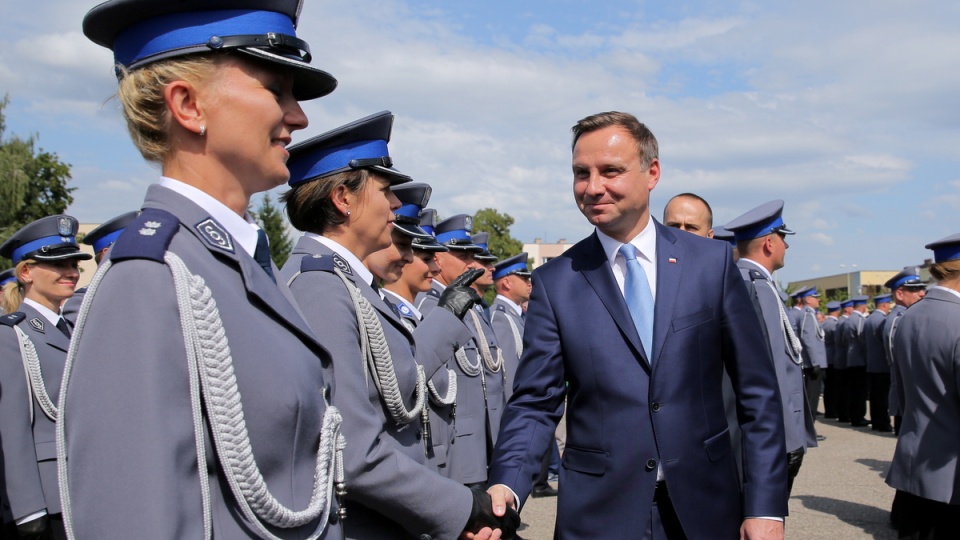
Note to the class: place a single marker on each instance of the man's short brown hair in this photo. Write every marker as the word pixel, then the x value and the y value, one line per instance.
pixel 646 142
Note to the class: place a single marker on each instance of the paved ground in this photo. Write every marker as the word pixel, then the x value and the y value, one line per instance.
pixel 839 494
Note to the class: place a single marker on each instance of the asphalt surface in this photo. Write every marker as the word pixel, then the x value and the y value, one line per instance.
pixel 839 494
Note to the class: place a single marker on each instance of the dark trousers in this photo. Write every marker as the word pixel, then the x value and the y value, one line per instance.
pixel 843 395
pixel 830 392
pixel 856 378
pixel 794 461
pixel 664 523
pixel 925 519
pixel 880 401
pixel 812 382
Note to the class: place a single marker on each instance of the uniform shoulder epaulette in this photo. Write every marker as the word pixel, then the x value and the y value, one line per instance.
pixel 501 308
pixel 757 275
pixel 81 290
pixel 325 263
pixel 146 237
pixel 12 319
pixel 433 292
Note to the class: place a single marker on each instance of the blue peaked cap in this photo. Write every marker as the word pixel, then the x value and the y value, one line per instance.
pixel 361 144
pixel 761 221
pixel 454 232
pixel 50 238
pixel 512 265
pixel 7 276
pixel 413 197
pixel 107 234
pixel 945 249
pixel 140 32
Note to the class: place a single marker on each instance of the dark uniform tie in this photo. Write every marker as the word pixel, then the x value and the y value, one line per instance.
pixel 63 326
pixel 262 254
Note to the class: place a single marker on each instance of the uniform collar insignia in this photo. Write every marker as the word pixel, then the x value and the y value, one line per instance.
pixel 405 310
pixel 343 265
pixel 215 235
pixel 37 324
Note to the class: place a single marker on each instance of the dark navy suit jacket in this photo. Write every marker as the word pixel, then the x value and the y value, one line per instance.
pixel 626 418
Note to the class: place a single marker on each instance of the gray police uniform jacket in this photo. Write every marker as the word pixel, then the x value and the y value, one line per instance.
pixel 130 435
pixel 391 492
pixel 811 337
pixel 840 343
pixel 926 348
pixel 829 328
pixel 469 451
pixel 29 448
pixel 854 338
pixel 874 350
pixel 508 325
pixel 890 323
pixel 441 416
pixel 797 421
pixel 71 308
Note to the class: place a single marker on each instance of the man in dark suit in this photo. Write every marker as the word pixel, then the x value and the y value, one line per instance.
pixel 640 320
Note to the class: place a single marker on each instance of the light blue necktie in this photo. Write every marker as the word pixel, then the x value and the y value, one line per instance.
pixel 636 291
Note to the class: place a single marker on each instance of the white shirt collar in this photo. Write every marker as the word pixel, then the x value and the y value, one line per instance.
pixel 47 313
pixel 242 229
pixel 646 244
pixel 759 266
pixel 358 268
pixel 511 303
pixel 397 299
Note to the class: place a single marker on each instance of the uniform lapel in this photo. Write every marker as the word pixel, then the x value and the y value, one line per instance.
pixel 670 262
pixel 42 330
pixel 598 274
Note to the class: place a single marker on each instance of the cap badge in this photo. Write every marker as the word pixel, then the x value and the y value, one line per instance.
pixel 64 226
pixel 468 223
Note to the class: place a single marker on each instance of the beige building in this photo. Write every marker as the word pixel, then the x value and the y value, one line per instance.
pixel 541 252
pixel 868 282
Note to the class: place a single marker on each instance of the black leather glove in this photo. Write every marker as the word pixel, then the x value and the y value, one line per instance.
pixel 458 297
pixel 36 529
pixel 481 515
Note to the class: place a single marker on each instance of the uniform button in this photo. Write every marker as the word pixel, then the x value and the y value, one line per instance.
pixel 656 407
pixel 651 464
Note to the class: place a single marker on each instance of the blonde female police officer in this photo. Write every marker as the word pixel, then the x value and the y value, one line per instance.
pixel 33 349
pixel 341 199
pixel 194 399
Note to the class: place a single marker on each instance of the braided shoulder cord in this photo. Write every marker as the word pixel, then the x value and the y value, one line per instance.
pixel 517 338
pixel 470 370
pixel 791 337
pixel 376 351
pixel 35 386
pixel 893 330
pixel 820 333
pixel 493 365
pixel 451 397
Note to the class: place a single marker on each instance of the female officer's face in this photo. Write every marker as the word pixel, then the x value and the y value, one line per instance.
pixel 250 113
pixel 372 217
pixel 50 283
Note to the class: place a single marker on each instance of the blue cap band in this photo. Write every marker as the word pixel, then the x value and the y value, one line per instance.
pixel 484 245
pixel 8 280
pixel 334 159
pixel 30 247
pixel 106 240
pixel 411 211
pixel 858 302
pixel 946 253
pixel 427 228
pixel 904 279
pixel 458 234
pixel 756 231
pixel 505 271
pixel 193 29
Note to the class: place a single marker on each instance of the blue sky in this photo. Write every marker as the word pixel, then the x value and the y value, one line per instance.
pixel 846 110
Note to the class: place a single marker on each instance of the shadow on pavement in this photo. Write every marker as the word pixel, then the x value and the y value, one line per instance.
pixel 873 521
pixel 879 465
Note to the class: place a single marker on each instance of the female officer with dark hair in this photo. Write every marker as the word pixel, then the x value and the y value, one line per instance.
pixel 341 199
pixel 194 403
pixel 33 349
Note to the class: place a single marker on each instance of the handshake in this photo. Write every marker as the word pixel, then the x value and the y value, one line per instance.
pixel 482 519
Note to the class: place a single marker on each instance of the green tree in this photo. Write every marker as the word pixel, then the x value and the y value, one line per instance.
pixel 271 221
pixel 33 183
pixel 497 225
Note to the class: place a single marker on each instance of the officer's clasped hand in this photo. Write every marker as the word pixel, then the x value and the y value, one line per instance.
pixel 481 515
pixel 458 297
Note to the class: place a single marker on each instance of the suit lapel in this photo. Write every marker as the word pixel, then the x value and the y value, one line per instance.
pixel 669 267
pixel 598 274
